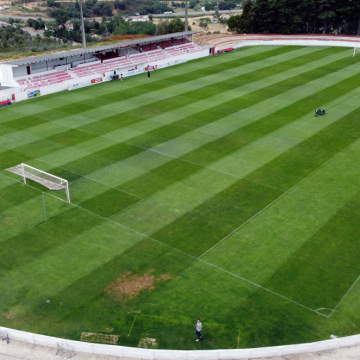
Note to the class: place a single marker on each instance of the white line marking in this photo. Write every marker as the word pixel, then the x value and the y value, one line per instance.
pixel 175 249
pixel 337 305
pixel 170 156
pixel 232 232
pixel 280 197
pixel 132 325
pixel 125 209
pixel 87 177
pixel 259 286
pixel 237 276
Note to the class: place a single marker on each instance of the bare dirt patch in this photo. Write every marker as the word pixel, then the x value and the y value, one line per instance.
pixel 147 343
pixel 129 285
pixel 99 338
pixel 11 314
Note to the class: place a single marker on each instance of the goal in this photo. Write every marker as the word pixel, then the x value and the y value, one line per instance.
pixel 50 181
pixel 355 50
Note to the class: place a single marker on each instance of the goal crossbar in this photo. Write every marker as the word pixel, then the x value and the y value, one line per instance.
pixel 50 181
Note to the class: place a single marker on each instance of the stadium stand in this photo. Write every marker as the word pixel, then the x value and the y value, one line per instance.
pixel 69 68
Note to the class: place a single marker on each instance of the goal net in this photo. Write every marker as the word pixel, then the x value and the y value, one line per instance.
pixel 50 181
pixel 356 49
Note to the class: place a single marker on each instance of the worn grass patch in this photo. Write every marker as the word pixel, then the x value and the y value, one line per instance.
pixel 99 338
pixel 130 285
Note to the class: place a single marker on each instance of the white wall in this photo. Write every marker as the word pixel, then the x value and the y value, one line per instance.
pixel 128 352
pixel 19 71
pixel 350 44
pixel 7 75
pixel 126 71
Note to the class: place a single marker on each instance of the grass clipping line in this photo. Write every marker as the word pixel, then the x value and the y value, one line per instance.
pixel 130 285
pixel 99 338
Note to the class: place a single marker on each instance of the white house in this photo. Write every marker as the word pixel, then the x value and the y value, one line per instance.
pixel 225 16
pixel 138 18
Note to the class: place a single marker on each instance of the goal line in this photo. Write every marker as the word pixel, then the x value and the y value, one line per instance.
pixel 50 181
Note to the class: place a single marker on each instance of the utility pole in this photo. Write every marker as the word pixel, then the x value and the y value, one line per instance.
pixel 186 15
pixel 82 25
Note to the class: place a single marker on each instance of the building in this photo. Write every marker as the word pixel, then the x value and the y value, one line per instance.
pixel 68 70
pixel 67 26
pixel 225 16
pixel 138 18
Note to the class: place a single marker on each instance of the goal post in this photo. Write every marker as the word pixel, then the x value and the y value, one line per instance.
pixel 355 50
pixel 50 181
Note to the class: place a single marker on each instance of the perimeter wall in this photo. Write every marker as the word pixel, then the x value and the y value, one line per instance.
pixel 291 42
pixel 139 353
pixel 21 95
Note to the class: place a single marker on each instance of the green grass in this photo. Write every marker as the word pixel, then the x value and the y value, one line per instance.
pixel 216 174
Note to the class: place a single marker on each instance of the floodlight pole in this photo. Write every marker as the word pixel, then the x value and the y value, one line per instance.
pixel 82 25
pixel 44 205
pixel 186 15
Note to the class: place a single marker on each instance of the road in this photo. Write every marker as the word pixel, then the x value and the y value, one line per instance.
pixel 2 16
pixel 230 12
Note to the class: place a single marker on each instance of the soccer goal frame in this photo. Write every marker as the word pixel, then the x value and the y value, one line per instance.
pixel 355 50
pixel 50 181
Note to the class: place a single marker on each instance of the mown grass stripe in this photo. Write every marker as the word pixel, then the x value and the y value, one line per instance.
pixel 318 259
pixel 86 105
pixel 295 164
pixel 217 152
pixel 291 221
pixel 287 116
pixel 176 90
pixel 83 253
pixel 205 225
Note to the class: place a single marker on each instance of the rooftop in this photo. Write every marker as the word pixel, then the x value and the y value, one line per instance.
pixel 98 49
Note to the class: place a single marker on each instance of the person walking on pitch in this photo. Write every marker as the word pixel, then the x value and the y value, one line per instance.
pixel 198 328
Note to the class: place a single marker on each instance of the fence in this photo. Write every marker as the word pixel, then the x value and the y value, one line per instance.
pixel 290 42
pixel 136 353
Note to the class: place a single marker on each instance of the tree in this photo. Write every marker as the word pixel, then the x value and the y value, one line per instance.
pixel 327 13
pixel 264 16
pixel 61 16
pixel 76 24
pixel 162 27
pixel 176 25
pixel 209 6
pixel 121 29
pixel 193 3
pixel 119 5
pixel 203 23
pixel 226 5
pixel 243 23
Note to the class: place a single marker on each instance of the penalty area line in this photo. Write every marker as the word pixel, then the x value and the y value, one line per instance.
pixel 180 251
pixel 261 287
pixel 350 288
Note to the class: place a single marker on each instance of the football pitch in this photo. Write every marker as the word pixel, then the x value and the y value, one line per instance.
pixel 210 190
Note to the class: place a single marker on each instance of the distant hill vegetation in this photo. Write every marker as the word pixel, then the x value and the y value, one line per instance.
pixel 298 16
